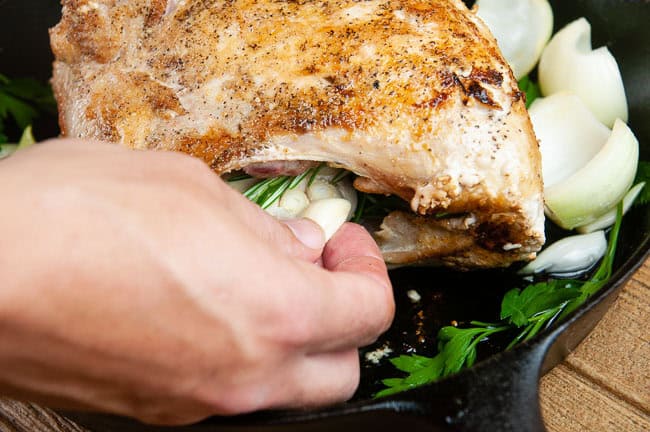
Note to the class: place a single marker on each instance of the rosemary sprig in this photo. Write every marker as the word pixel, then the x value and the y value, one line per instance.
pixel 269 190
pixel 340 176
pixel 530 311
pixel 239 177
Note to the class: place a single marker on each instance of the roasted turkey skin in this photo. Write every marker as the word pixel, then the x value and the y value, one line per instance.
pixel 412 96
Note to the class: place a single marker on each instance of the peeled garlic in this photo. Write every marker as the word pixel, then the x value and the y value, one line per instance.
pixel 329 214
pixel 609 218
pixel 569 135
pixel 521 28
pixel 599 185
pixel 278 212
pixel 321 189
pixel 294 202
pixel 570 254
pixel 569 64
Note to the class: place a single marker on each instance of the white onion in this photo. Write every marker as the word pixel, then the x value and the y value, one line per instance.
pixel 569 64
pixel 521 28
pixel 571 254
pixel 328 213
pixel 598 186
pixel 569 135
pixel 609 218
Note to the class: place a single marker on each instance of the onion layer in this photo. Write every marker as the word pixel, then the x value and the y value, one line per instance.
pixel 598 186
pixel 569 64
pixel 569 135
pixel 571 254
pixel 608 219
pixel 521 28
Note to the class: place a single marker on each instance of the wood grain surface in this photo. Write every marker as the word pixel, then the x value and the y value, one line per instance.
pixel 602 386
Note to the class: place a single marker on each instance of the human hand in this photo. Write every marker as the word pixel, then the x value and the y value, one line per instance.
pixel 138 283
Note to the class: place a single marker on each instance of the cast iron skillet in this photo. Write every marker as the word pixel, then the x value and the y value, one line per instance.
pixel 500 393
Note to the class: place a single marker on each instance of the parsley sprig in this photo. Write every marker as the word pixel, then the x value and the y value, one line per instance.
pixel 526 311
pixel 23 100
pixel 530 89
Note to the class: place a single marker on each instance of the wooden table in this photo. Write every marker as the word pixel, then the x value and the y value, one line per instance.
pixel 603 386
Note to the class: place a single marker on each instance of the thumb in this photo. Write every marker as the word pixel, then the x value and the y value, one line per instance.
pixel 299 238
pixel 307 232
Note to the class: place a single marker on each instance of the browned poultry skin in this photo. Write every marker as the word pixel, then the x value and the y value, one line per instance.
pixel 414 96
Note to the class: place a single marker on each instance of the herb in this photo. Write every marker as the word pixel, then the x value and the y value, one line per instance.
pixel 457 349
pixel 238 177
pixel 269 190
pixel 530 311
pixel 530 89
pixel 643 175
pixel 340 176
pixel 23 100
pixel 376 206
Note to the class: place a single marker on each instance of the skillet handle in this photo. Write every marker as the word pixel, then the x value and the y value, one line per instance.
pixel 501 395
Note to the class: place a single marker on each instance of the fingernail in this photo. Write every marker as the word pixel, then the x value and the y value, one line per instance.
pixel 307 232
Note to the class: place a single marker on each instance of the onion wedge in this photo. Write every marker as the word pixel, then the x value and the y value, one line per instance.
pixel 608 219
pixel 569 64
pixel 569 135
pixel 599 185
pixel 521 28
pixel 571 254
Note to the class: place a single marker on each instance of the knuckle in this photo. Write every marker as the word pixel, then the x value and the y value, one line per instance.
pixel 295 329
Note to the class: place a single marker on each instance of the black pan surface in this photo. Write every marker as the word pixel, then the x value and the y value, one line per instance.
pixel 500 393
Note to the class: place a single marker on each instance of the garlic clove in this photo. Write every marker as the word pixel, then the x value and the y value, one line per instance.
pixel 568 63
pixel 294 202
pixel 329 214
pixel 521 27
pixel 322 189
pixel 279 212
pixel 570 254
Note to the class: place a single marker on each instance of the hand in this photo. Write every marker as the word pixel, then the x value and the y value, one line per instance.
pixel 138 283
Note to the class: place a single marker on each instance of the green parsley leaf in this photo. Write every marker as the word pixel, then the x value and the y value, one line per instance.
pixel 530 311
pixel 530 89
pixel 520 307
pixel 22 101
